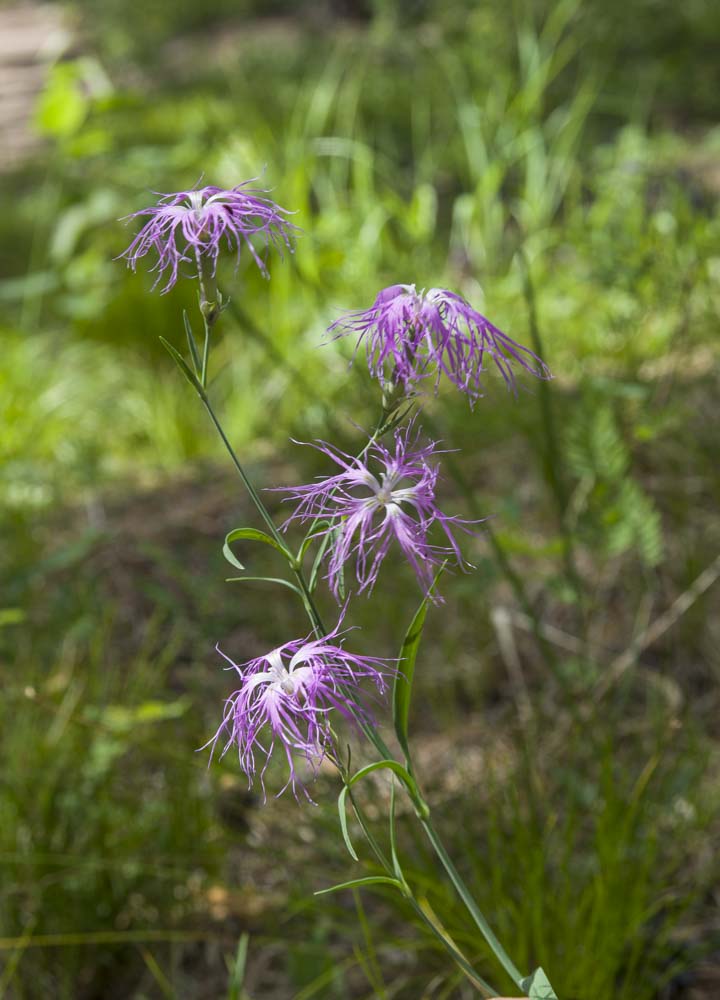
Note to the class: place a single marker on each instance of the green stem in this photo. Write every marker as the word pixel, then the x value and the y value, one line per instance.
pixel 451 947
pixel 206 353
pixel 308 600
pixel 254 496
pixel 464 893
pixel 435 926
pixel 369 731
pixel 211 305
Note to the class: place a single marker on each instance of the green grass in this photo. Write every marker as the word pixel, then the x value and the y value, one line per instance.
pixel 106 823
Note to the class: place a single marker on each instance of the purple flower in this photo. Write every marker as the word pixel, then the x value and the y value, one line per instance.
pixel 289 693
pixel 191 224
pixel 381 497
pixel 418 335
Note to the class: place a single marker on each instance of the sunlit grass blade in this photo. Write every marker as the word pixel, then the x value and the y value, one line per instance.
pixel 237 970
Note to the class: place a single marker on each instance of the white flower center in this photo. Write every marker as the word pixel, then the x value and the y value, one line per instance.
pixel 417 296
pixel 196 202
pixel 389 495
pixel 281 678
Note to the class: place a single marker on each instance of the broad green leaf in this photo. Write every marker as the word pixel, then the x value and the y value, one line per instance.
pixel 254 535
pixel 402 688
pixel 537 986
pixel 358 882
pixel 182 364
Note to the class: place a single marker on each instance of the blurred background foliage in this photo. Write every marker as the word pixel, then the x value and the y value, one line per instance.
pixel 557 163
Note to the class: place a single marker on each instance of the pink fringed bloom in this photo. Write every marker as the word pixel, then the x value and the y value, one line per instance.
pixel 410 336
pixel 289 694
pixel 384 496
pixel 191 225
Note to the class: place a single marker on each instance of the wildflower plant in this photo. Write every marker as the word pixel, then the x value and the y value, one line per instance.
pixel 291 698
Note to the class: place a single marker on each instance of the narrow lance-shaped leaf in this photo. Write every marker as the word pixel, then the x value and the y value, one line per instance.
pixel 265 579
pixel 342 813
pixel 250 534
pixel 311 536
pixel 391 765
pixel 359 882
pixel 182 364
pixel 393 836
pixel 341 572
pixel 191 344
pixel 402 688
pixel 315 571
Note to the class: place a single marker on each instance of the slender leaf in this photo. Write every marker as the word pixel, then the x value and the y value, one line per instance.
pixel 310 538
pixel 391 765
pixel 264 579
pixel 357 882
pixel 394 421
pixel 182 364
pixel 191 343
pixel 342 812
pixel 255 535
pixel 341 572
pixel 312 583
pixel 393 837
pixel 228 553
pixel 402 688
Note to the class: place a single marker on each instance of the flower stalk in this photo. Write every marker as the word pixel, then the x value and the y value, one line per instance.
pixel 422 810
pixel 385 495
